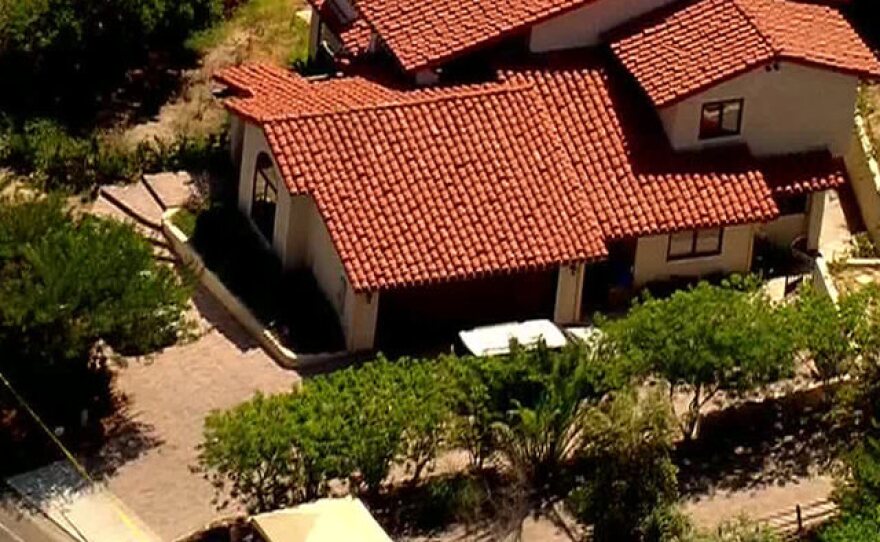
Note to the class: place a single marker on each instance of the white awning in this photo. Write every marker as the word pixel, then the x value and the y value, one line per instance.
pixel 327 520
pixel 495 340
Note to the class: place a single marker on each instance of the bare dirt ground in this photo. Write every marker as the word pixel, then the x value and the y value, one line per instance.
pixel 262 31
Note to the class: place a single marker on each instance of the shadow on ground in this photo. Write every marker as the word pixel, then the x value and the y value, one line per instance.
pixel 763 444
pixel 218 318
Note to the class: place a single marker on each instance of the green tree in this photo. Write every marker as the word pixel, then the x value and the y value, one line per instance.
pixel 350 426
pixel 853 528
pixel 706 340
pixel 826 331
pixel 539 442
pixel 628 480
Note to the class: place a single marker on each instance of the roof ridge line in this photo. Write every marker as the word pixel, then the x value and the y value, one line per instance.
pixel 505 87
pixel 754 24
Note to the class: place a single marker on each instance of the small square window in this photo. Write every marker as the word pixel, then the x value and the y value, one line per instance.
pixel 721 119
pixel 695 243
pixel 681 244
pixel 708 241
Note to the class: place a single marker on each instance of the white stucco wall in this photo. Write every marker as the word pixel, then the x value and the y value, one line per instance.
pixel 301 240
pixel 793 109
pixel 584 26
pixel 651 263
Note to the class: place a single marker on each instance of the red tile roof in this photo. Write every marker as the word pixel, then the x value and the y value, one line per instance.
pixel 424 33
pixel 804 173
pixel 539 169
pixel 680 50
pixel 638 186
pixel 441 188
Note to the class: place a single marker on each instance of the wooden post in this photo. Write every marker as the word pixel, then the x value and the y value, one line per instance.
pixel 800 519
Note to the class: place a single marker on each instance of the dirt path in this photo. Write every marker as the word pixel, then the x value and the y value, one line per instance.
pixel 262 31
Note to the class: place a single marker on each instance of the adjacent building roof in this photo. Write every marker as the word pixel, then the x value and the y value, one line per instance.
pixel 683 49
pixel 538 169
pixel 327 520
pixel 424 33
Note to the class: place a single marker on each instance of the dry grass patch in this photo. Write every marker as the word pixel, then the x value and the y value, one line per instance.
pixel 258 31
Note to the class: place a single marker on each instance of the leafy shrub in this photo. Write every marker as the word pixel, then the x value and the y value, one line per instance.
pixel 740 530
pixel 863 527
pixel 629 482
pixel 185 220
pixel 861 246
pixel 58 159
pixel 64 53
pixel 352 426
pixel 458 499
pixel 68 282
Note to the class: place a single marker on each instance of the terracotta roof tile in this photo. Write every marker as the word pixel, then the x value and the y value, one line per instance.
pixel 637 184
pixel 680 50
pixel 440 189
pixel 422 33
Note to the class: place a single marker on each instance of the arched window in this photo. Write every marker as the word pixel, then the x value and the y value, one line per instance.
pixel 265 196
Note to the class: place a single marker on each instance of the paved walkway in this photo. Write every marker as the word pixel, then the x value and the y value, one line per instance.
pixel 169 397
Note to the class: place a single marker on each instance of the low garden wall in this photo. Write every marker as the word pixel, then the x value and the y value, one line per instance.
pixel 864 174
pixel 179 243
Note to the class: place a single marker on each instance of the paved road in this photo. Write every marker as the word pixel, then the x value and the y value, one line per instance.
pixel 19 526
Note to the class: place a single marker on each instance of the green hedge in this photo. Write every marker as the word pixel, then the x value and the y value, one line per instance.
pixel 58 159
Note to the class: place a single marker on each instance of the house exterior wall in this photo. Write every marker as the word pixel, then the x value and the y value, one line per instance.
pixel 785 229
pixel 584 26
pixel 651 262
pixel 301 240
pixel 569 294
pixel 791 109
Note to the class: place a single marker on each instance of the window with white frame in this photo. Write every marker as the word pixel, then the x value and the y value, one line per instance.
pixel 695 244
pixel 721 119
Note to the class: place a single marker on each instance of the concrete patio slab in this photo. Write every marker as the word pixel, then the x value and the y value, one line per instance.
pixel 88 512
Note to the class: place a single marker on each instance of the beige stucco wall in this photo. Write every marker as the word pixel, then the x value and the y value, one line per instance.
pixel 651 264
pixel 585 26
pixel 301 240
pixel 793 109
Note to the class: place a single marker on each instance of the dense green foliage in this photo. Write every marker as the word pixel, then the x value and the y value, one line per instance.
pixel 826 331
pixel 352 426
pixel 536 415
pixel 858 492
pixel 66 282
pixel 706 340
pixel 51 156
pixel 628 482
pixel 67 54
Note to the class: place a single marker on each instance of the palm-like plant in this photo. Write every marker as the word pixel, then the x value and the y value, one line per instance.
pixel 538 442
